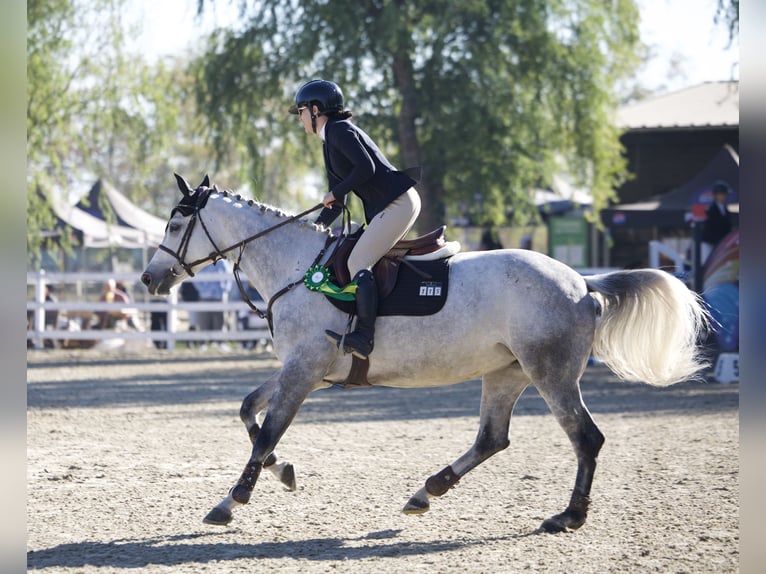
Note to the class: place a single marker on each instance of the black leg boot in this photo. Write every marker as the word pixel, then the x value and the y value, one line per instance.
pixel 360 341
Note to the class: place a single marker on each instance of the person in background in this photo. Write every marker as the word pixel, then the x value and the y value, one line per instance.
pixel 189 294
pixel 213 291
pixel 52 316
pixel 246 318
pixel 112 294
pixel 133 321
pixel 490 240
pixel 717 223
pixel 158 321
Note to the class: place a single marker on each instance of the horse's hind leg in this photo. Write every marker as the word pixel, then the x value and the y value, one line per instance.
pixel 565 401
pixel 500 391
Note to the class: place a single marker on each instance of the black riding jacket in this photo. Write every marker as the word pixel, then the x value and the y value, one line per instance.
pixel 355 163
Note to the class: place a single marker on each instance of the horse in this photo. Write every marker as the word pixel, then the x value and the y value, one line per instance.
pixel 513 317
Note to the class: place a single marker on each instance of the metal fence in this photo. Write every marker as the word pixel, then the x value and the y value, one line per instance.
pixel 150 320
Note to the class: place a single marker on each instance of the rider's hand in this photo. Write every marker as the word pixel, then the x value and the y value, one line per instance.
pixel 328 199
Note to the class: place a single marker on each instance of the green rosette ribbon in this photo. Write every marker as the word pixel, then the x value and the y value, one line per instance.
pixel 317 279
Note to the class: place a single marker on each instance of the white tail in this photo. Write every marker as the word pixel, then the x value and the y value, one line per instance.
pixel 649 327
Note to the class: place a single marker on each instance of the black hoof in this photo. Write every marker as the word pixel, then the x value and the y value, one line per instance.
pixel 218 516
pixel 552 525
pixel 241 494
pixel 288 477
pixel 416 505
pixel 564 522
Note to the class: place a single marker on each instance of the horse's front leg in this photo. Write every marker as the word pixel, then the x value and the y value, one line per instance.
pixel 250 411
pixel 289 392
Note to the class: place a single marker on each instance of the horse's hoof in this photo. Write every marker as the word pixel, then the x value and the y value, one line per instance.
pixel 552 525
pixel 288 477
pixel 564 522
pixel 241 494
pixel 416 505
pixel 218 516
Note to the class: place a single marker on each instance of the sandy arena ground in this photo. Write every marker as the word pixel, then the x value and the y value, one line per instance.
pixel 126 454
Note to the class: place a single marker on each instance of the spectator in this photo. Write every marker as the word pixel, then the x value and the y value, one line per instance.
pixel 213 291
pixel 51 318
pixel 158 321
pixel 245 316
pixel 526 241
pixel 52 315
pixel 112 318
pixel 490 240
pixel 717 223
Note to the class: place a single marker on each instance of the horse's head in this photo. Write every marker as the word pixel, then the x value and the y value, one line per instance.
pixel 186 247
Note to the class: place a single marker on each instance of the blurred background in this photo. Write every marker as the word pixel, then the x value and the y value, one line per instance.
pixel 593 132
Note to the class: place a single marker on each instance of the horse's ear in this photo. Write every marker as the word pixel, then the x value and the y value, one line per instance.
pixel 183 185
pixel 205 182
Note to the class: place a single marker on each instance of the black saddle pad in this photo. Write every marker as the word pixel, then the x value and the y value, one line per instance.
pixel 413 294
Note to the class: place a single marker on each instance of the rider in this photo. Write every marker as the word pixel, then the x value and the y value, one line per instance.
pixel 355 163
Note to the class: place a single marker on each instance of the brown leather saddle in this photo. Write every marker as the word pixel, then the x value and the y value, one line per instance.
pixel 386 270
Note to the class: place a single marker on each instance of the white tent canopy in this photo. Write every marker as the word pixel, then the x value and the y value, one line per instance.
pixel 99 233
pixel 134 216
pixel 562 197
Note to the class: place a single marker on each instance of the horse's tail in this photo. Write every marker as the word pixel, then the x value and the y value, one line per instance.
pixel 649 327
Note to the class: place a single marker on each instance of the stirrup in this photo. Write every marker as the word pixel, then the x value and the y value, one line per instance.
pixel 361 351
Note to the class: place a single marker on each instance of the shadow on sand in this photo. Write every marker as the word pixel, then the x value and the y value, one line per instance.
pixel 204 548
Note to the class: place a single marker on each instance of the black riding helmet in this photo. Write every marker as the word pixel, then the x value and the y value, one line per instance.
pixel 325 95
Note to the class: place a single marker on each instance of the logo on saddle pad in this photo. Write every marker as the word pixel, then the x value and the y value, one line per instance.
pixel 430 289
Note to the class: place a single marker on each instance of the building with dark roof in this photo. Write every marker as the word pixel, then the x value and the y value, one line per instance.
pixel 670 138
pixel 669 141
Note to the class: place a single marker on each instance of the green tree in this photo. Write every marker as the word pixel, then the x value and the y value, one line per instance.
pixel 47 110
pixel 94 110
pixel 492 98
pixel 242 100
pixel 81 121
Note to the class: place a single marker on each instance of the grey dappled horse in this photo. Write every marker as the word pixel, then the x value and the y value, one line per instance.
pixel 513 317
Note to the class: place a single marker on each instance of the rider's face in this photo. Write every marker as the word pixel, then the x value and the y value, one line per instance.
pixel 304 116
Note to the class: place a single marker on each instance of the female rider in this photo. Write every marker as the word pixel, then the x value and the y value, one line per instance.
pixel 355 163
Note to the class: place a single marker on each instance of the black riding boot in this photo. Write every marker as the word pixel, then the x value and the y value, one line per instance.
pixel 360 341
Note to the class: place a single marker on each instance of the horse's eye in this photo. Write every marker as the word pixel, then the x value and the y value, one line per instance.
pixel 174 227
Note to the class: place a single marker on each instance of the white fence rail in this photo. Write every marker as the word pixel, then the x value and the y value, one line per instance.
pixel 73 312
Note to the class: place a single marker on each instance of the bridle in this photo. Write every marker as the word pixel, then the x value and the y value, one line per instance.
pixel 191 205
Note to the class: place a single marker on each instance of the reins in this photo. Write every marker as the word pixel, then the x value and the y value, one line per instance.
pixel 219 253
pixel 246 298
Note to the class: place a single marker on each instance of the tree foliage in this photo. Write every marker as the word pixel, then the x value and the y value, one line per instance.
pixel 727 12
pixel 95 110
pixel 493 98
